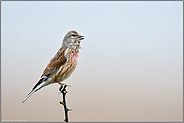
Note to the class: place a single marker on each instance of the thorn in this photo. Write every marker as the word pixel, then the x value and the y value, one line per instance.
pixel 69 109
pixel 65 119
pixel 62 103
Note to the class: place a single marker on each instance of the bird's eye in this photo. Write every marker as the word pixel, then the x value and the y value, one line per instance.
pixel 73 35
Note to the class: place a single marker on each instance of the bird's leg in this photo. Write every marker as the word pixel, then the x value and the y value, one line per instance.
pixel 63 87
pixel 60 83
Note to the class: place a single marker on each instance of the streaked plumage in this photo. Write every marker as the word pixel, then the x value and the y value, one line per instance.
pixel 62 64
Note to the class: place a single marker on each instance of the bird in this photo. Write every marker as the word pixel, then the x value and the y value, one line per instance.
pixel 62 65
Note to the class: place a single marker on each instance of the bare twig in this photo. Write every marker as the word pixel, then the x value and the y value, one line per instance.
pixel 63 91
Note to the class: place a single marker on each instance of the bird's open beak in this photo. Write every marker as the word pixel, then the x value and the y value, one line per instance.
pixel 80 37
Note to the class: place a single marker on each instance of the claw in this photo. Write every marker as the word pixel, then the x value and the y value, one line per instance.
pixel 69 85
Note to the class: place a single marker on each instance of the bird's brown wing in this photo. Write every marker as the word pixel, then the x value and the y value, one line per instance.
pixel 57 61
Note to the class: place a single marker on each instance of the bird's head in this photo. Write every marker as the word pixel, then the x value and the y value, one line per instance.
pixel 72 40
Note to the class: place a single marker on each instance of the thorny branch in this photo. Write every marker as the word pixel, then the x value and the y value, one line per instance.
pixel 63 91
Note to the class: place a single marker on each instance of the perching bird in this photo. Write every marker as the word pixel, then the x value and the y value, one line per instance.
pixel 62 64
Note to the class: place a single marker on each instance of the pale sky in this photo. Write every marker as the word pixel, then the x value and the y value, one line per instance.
pixel 130 67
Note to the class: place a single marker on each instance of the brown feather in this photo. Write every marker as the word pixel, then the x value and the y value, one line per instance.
pixel 57 61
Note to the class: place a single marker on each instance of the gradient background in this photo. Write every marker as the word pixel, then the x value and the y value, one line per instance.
pixel 130 67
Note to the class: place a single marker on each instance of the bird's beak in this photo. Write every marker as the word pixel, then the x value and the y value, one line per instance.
pixel 80 37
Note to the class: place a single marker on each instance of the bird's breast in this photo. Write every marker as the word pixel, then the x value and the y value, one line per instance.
pixel 74 57
pixel 67 69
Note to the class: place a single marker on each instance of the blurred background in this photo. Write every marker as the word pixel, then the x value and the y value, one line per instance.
pixel 130 68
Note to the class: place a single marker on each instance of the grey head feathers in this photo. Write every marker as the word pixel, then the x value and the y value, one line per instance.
pixel 72 40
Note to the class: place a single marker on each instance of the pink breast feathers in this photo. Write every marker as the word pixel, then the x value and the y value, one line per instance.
pixel 75 57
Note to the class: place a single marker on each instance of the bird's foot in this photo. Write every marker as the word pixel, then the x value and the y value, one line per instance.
pixel 62 88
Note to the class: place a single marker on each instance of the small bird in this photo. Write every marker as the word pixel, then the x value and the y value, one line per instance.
pixel 62 64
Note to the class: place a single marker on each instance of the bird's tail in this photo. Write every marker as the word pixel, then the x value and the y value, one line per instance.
pixel 28 96
pixel 38 86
